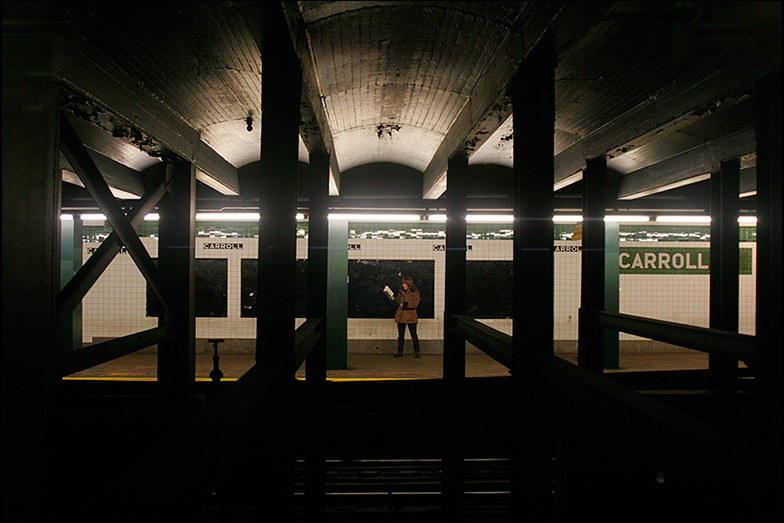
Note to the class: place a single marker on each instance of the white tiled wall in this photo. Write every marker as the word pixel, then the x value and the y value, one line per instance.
pixel 115 306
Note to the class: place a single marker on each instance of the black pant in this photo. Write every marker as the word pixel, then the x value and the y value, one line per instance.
pixel 401 332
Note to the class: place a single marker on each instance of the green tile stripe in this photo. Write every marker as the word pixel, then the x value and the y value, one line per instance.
pixel 431 231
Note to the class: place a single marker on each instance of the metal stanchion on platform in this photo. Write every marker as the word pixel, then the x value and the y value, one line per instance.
pixel 215 374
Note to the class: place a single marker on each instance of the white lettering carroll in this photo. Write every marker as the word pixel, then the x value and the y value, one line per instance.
pixel 224 246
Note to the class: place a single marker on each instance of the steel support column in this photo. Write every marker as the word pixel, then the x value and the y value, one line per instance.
pixel 70 262
pixel 769 259
pixel 533 100
pixel 31 206
pixel 454 296
pixel 176 264
pixel 455 303
pixel 280 118
pixel 278 192
pixel 316 363
pixel 590 350
pixel 318 240
pixel 724 267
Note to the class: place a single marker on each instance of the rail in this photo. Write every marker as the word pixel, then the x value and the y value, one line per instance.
pixel 599 396
pixel 92 355
pixel 712 341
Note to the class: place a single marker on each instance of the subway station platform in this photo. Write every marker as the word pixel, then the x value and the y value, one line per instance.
pixel 142 367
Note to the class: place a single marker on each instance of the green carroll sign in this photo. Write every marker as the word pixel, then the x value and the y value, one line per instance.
pixel 672 260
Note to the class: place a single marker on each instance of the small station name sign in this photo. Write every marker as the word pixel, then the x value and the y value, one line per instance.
pixel 224 245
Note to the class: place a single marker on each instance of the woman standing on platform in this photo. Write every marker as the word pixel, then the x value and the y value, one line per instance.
pixel 406 314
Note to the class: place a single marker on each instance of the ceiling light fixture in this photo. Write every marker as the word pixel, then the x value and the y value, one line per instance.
pixel 627 219
pixel 490 218
pixel 375 217
pixel 683 219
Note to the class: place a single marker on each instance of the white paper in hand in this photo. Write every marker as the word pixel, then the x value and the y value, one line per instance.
pixel 388 292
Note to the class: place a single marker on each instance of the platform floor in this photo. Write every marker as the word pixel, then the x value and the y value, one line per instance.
pixel 374 366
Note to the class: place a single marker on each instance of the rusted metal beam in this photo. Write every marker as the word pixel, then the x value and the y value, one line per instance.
pixel 81 359
pixel 85 168
pixel 81 282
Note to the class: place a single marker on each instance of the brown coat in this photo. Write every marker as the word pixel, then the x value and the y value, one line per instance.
pixel 407 302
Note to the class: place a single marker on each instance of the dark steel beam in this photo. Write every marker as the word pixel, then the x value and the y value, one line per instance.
pixel 686 168
pixel 33 37
pixel 117 175
pixel 89 72
pixel 724 267
pixel 81 282
pixel 596 396
pixel 455 269
pixel 176 264
pixel 494 343
pixel 78 360
pixel 769 254
pixel 674 108
pixel 489 106
pixel 94 182
pixel 278 190
pixel 318 242
pixel 590 349
pixel 731 344
pixel 314 129
pixel 533 98
pixel 306 338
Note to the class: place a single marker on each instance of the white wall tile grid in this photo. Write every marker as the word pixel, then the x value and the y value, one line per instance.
pixel 115 306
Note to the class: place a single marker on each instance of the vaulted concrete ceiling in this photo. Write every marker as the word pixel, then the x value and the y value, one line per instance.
pixel 665 89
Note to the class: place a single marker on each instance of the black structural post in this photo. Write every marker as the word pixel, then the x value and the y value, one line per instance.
pixel 533 100
pixel 455 303
pixel 768 367
pixel 590 344
pixel 176 265
pixel 454 296
pixel 724 267
pixel 278 192
pixel 318 240
pixel 280 117
pixel 31 208
pixel 316 363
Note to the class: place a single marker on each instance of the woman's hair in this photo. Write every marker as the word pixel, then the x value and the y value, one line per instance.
pixel 410 283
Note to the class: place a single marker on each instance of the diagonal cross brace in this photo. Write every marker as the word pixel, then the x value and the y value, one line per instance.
pixel 81 282
pixel 88 173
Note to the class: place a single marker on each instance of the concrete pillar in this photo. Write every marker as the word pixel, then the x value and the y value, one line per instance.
pixel 176 264
pixel 724 267
pixel 31 208
pixel 454 296
pixel 590 351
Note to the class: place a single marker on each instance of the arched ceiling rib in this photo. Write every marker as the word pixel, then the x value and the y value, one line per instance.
pixel 412 82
